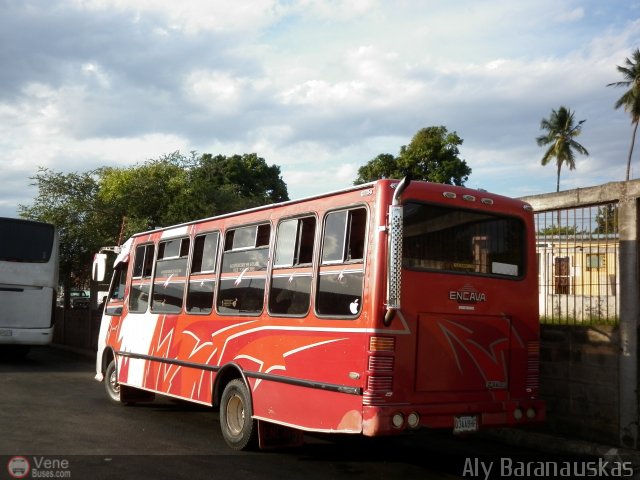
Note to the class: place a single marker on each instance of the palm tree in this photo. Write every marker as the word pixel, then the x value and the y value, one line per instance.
pixel 561 129
pixel 631 98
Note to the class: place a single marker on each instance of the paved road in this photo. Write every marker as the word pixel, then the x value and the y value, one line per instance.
pixel 58 418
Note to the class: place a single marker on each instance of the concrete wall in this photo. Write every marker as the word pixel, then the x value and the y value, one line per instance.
pixel 580 381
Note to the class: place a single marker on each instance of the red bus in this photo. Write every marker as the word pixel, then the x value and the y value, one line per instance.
pixel 376 309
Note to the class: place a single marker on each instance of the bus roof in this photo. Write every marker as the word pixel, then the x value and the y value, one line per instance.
pixel 263 207
pixel 438 186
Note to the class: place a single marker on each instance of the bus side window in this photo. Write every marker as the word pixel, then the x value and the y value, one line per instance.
pixel 170 276
pixel 340 282
pixel 242 275
pixel 290 292
pixel 202 280
pixel 141 278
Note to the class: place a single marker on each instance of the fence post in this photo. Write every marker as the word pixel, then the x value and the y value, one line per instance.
pixel 629 315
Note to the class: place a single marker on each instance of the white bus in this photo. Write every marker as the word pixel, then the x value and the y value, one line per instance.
pixel 28 282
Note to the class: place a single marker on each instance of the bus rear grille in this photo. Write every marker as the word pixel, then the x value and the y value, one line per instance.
pixel 377 384
pixel 532 383
pixel 381 364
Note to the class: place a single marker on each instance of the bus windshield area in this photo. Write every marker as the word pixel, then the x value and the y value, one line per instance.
pixel 25 241
pixel 446 239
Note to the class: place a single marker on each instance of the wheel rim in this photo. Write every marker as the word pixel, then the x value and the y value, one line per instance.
pixel 113 383
pixel 235 415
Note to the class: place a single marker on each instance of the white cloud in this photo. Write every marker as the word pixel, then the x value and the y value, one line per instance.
pixel 194 16
pixel 571 16
pixel 94 71
pixel 318 87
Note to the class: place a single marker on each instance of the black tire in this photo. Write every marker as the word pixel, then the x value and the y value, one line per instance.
pixel 111 385
pixel 238 427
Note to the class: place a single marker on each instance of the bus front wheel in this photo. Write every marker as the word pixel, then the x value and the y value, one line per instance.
pixel 238 427
pixel 111 384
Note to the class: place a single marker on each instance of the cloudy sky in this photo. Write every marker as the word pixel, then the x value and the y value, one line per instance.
pixel 318 87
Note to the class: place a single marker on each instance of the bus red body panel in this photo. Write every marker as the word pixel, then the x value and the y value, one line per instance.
pixel 292 298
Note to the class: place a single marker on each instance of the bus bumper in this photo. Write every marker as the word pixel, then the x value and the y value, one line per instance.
pixel 390 420
pixel 26 336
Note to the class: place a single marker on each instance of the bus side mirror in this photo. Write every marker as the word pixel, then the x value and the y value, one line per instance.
pixel 99 267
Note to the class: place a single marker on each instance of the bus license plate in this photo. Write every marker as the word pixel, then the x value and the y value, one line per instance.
pixel 465 423
pixel 5 332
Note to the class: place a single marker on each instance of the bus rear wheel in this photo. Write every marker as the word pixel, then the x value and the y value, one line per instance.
pixel 238 427
pixel 111 385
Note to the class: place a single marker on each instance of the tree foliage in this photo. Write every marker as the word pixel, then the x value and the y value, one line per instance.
pixel 607 219
pixel 105 206
pixel 432 155
pixel 560 230
pixel 560 132
pixel 71 202
pixel 630 100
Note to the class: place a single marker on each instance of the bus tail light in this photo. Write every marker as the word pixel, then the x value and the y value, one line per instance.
pixel 413 420
pixel 382 344
pixel 397 420
pixel 533 368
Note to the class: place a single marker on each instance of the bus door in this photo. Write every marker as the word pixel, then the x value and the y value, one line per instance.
pixel 114 304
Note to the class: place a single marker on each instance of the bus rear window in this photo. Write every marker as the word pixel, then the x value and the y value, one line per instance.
pixel 462 241
pixel 25 241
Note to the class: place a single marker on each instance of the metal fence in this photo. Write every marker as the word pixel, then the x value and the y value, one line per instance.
pixel 578 265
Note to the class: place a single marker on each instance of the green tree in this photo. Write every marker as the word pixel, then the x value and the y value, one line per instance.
pixel 568 231
pixel 70 201
pixel 607 219
pixel 177 188
pixel 432 155
pixel 384 165
pixel 104 206
pixel 630 100
pixel 561 130
pixel 148 195
pixel 221 184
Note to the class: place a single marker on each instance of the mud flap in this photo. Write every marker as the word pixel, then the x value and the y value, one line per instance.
pixel 272 435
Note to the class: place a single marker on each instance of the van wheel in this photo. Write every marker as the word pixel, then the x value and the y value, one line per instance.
pixel 111 385
pixel 238 427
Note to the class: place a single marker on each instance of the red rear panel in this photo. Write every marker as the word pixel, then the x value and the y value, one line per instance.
pixel 462 353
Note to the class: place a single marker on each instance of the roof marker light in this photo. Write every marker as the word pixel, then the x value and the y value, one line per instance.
pixel 487 201
pixel 469 198
pixel 448 194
